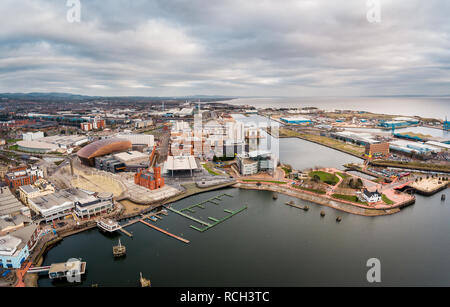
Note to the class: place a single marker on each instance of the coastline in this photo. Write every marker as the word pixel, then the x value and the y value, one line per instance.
pixel 322 201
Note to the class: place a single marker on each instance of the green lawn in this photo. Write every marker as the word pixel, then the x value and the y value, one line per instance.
pixel 351 198
pixel 210 170
pixel 343 175
pixel 386 200
pixel 310 190
pixel 325 177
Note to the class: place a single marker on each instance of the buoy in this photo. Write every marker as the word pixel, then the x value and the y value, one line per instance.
pixel 338 219
pixel 322 213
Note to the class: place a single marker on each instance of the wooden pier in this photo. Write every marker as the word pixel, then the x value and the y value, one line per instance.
pixel 126 232
pixel 164 231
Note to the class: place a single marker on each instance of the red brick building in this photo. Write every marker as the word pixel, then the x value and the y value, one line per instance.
pixel 149 180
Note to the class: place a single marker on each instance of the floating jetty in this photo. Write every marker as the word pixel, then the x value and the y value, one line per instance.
pixel 218 221
pixel 164 231
pixel 292 204
pixel 119 250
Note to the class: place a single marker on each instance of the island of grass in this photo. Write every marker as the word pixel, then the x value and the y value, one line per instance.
pixel 351 198
pixel 209 170
pixel 317 191
pixel 386 200
pixel 328 178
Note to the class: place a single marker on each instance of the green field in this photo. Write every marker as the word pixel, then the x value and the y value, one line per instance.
pixel 387 200
pixel 351 198
pixel 325 177
pixel 210 170
pixel 310 190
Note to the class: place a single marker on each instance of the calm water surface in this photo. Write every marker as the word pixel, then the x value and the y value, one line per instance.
pixel 272 244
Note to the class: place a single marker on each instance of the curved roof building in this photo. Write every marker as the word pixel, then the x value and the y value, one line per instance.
pixel 102 147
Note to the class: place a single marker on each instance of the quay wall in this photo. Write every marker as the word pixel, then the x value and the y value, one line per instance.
pixel 320 200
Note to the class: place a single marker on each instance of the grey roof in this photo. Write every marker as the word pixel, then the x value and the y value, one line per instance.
pixel 10 221
pixel 9 204
pixel 29 188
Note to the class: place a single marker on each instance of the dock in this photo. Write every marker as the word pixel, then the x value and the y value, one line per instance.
pixel 190 217
pixel 126 232
pixel 165 232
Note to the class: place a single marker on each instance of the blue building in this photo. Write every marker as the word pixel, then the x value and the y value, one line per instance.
pixel 15 247
pixel 296 120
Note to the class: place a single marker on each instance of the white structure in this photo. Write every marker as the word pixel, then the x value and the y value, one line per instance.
pixel 131 157
pixel 59 204
pixel 371 197
pixel 30 136
pixel 247 166
pixel 180 163
pixel 138 139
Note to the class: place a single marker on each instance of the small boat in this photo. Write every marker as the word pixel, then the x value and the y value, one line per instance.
pixel 119 250
pixel 145 283
pixel 274 196
pixel 306 208
pixel 443 197
pixel 108 225
pixel 164 211
pixel 154 219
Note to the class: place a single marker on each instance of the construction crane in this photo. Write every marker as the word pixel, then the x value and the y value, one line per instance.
pixel 152 158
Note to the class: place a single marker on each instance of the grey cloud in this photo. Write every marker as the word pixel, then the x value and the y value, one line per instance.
pixel 228 47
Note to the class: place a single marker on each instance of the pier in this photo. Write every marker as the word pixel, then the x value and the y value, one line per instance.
pixel 189 217
pixel 165 232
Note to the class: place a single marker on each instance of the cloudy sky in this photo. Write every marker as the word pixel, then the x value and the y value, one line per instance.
pixel 226 47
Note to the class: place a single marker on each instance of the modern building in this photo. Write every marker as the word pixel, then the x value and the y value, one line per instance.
pixel 109 164
pixel 131 157
pixel 297 120
pixel 93 206
pixel 101 148
pixel 22 176
pixel 355 137
pixel 31 136
pixel 143 124
pixel 410 147
pixel 96 124
pixel 379 150
pixel 180 165
pixel 398 122
pixel 255 162
pixel 138 139
pixel 16 246
pixel 247 166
